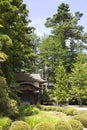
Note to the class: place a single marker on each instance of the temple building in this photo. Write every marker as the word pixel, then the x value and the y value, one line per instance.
pixel 30 86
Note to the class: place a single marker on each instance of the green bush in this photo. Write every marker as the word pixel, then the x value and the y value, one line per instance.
pixel 5 123
pixel 35 111
pixel 82 119
pixel 51 108
pixel 13 112
pixel 46 108
pixel 70 111
pixel 41 117
pixel 62 124
pixel 19 125
pixel 0 127
pixel 8 106
pixel 60 114
pixel 44 126
pixel 59 109
pixel 28 110
pixel 75 124
pixel 82 112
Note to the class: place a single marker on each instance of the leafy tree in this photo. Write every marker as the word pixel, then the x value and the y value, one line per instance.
pixel 47 98
pixel 61 86
pixel 59 50
pixel 8 107
pixel 3 56
pixel 64 25
pixel 35 41
pixel 51 53
pixel 78 79
pixel 15 22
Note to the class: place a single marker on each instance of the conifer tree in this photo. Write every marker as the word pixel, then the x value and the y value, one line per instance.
pixel 15 22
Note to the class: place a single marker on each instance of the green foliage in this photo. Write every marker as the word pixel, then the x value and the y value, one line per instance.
pixel 47 97
pixel 48 108
pixel 5 40
pixel 82 112
pixel 51 108
pixel 5 122
pixel 28 110
pixel 64 26
pixel 63 124
pixel 78 79
pixel 70 111
pixel 50 52
pixel 75 124
pixel 3 57
pixel 61 86
pixel 8 107
pixel 3 96
pixel 59 109
pixel 12 111
pixel 62 16
pixel 44 126
pixel 0 127
pixel 14 19
pixel 35 41
pixel 19 125
pixel 60 114
pixel 65 110
pixel 15 49
pixel 59 51
pixel 41 117
pixel 82 119
pixel 5 46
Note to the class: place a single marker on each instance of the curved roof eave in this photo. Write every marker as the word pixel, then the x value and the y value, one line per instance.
pixel 28 83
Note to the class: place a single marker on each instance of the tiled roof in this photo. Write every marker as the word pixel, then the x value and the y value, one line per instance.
pixel 27 77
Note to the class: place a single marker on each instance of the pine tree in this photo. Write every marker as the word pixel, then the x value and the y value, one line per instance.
pixel 78 79
pixel 15 22
pixel 61 85
pixel 64 26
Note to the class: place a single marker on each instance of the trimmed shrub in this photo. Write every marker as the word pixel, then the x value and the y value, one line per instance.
pixel 0 127
pixel 59 109
pixel 41 117
pixel 60 114
pixel 44 126
pixel 19 125
pixel 46 108
pixel 82 119
pixel 70 111
pixel 82 112
pixel 62 124
pixel 51 108
pixel 5 122
pixel 75 124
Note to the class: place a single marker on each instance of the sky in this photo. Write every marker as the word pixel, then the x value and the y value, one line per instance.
pixel 40 10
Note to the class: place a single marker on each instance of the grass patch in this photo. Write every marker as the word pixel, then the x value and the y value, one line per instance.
pixel 41 117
